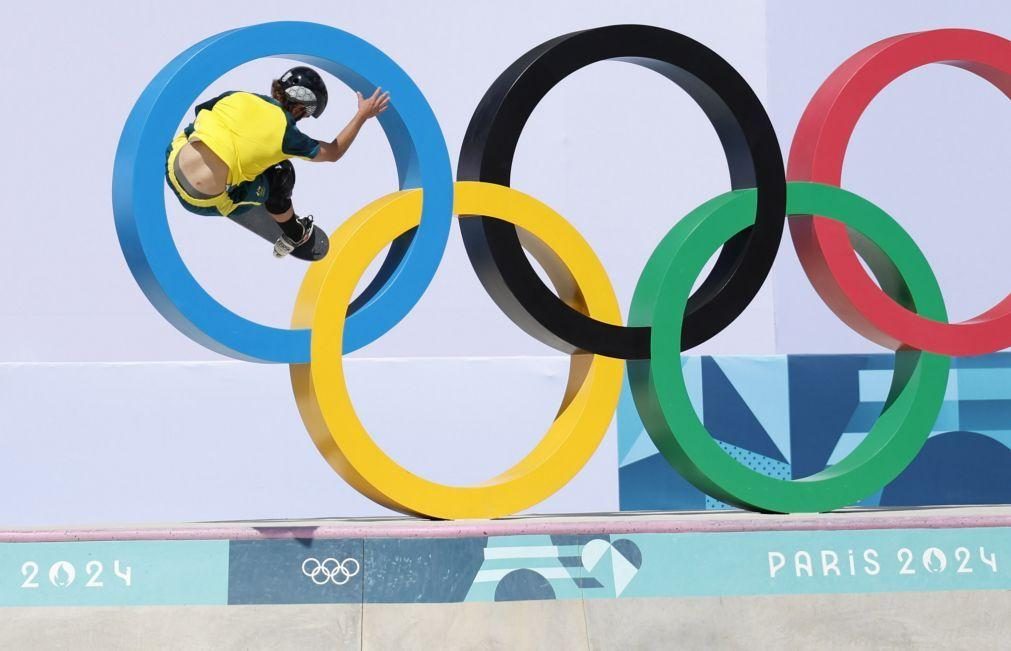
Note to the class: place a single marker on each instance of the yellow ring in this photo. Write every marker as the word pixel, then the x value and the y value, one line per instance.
pixel 591 396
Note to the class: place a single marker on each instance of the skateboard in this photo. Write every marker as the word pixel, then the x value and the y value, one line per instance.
pixel 259 221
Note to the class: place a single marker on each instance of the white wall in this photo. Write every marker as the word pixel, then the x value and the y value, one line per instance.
pixel 112 415
pixel 176 434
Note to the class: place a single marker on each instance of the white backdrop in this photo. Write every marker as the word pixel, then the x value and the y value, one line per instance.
pixel 931 150
pixel 113 416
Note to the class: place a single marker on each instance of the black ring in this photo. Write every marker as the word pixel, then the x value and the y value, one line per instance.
pixel 753 156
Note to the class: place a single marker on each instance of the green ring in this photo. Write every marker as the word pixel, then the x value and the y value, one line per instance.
pixel 658 385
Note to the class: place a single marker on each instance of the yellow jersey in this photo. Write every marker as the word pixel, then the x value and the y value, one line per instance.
pixel 249 133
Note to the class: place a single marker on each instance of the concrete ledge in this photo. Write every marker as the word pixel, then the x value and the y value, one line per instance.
pixel 957 620
pixel 308 627
pixel 601 524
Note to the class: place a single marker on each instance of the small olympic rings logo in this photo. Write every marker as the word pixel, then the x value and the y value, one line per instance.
pixel 904 311
pixel 330 570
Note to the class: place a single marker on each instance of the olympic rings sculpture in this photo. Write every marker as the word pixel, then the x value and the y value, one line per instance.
pixel 581 315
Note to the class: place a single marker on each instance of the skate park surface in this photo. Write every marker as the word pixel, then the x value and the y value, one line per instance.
pixel 933 577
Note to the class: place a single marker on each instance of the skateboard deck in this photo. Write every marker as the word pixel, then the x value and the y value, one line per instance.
pixel 259 221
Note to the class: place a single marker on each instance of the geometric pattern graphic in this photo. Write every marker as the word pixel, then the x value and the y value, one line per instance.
pixel 521 568
pixel 790 416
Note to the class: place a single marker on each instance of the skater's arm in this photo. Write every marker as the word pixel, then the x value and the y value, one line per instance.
pixel 332 151
pixel 367 108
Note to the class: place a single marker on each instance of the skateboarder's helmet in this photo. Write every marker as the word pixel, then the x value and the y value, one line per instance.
pixel 303 85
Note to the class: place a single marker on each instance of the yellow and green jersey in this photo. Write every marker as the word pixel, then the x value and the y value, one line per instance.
pixel 250 133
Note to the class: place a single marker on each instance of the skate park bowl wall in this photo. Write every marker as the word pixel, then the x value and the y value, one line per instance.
pixel 890 579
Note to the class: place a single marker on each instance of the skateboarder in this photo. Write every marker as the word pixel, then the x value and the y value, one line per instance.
pixel 235 154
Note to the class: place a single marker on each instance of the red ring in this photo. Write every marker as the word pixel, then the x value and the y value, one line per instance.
pixel 817 153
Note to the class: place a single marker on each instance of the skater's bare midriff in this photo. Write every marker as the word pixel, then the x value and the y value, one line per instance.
pixel 202 168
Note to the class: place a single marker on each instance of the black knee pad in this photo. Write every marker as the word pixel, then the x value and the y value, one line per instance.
pixel 281 182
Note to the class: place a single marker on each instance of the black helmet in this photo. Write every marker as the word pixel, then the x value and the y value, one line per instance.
pixel 302 85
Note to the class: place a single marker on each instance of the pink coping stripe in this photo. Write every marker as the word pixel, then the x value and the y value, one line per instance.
pixel 619 524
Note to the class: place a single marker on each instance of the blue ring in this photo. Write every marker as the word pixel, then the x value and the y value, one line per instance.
pixel 138 191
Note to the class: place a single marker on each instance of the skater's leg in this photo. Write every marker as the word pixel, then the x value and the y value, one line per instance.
pixel 281 183
pixel 283 217
pixel 296 230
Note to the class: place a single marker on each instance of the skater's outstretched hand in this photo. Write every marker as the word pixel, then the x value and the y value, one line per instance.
pixel 368 107
pixel 374 105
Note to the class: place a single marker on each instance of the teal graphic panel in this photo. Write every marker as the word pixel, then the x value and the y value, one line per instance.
pixel 504 568
pixel 793 562
pixel 300 571
pixel 135 573
pixel 792 416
